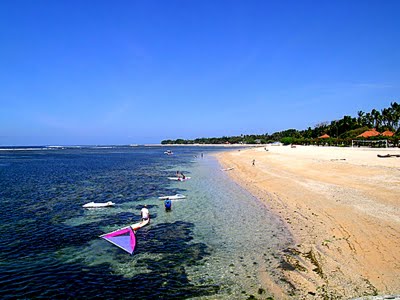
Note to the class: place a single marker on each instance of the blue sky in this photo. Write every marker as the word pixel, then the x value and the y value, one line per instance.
pixel 122 72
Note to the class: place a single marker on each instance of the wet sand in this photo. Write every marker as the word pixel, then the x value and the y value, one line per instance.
pixel 342 206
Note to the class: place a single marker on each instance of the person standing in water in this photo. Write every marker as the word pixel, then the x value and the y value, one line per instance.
pixel 145 213
pixel 168 204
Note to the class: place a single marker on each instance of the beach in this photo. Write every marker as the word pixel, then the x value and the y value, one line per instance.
pixel 342 207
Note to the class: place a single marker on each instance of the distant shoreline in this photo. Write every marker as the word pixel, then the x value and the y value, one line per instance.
pixel 129 145
pixel 206 145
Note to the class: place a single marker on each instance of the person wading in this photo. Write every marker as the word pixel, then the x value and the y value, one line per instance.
pixel 145 213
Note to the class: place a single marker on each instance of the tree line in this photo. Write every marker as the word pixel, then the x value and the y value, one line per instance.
pixel 340 132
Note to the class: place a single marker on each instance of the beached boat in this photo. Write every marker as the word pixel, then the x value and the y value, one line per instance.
pixel 174 197
pixel 388 155
pixel 179 178
pixel 98 205
pixel 227 169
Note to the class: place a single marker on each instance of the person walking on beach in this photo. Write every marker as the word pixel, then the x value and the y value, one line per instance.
pixel 254 162
pixel 145 213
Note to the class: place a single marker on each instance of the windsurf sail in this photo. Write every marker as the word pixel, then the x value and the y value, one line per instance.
pixel 123 238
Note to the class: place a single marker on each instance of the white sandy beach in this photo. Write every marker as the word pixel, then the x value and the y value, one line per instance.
pixel 341 205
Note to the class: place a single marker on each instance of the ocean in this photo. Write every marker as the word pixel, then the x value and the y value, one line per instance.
pixel 215 244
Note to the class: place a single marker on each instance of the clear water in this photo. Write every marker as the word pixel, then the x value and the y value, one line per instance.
pixel 212 245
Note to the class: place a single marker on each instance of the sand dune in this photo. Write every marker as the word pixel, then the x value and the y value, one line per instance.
pixel 342 206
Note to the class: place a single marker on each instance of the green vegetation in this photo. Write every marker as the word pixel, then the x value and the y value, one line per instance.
pixel 340 132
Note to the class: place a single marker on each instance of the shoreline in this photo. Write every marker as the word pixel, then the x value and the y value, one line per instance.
pixel 341 206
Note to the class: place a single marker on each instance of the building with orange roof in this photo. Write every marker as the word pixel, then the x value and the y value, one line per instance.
pixel 369 133
pixel 388 133
pixel 325 136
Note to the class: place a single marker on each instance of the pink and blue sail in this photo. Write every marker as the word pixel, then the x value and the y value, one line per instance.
pixel 123 238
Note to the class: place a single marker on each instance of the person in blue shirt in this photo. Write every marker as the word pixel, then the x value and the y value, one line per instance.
pixel 168 204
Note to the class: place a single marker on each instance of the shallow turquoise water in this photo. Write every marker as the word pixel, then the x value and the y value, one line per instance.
pixel 212 245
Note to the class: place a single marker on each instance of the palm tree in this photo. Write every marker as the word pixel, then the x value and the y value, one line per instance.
pixel 396 114
pixel 361 120
pixel 387 118
pixel 334 129
pixel 377 118
pixel 369 120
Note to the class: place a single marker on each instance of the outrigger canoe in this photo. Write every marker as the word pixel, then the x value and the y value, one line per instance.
pixel 388 155
pixel 179 178
pixel 98 205
pixel 174 197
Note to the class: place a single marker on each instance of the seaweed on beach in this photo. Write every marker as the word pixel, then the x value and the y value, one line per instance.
pixel 318 269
